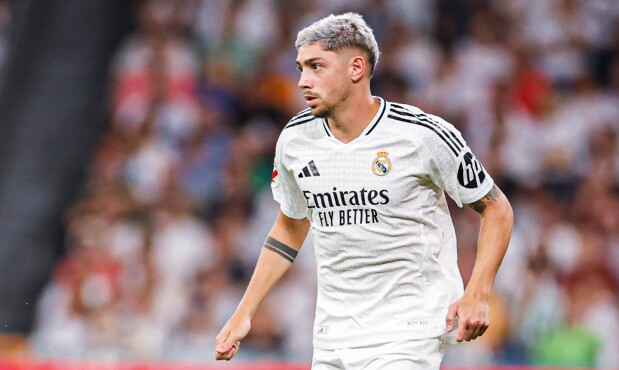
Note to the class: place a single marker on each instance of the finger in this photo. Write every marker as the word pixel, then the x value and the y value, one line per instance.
pixel 484 328
pixel 220 341
pixel 226 355
pixel 462 327
pixel 471 326
pixel 223 356
pixel 228 343
pixel 235 348
pixel 451 315
pixel 477 331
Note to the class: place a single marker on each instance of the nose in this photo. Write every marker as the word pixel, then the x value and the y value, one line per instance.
pixel 304 81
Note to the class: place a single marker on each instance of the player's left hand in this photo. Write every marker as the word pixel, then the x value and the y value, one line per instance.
pixel 473 318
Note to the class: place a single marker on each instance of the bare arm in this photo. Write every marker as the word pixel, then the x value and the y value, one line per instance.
pixel 497 219
pixel 285 238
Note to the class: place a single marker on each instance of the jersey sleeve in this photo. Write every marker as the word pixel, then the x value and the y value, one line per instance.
pixel 285 188
pixel 451 164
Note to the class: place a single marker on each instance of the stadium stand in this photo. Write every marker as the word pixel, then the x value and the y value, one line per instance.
pixel 165 233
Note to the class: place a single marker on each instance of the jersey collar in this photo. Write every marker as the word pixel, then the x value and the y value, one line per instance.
pixel 368 130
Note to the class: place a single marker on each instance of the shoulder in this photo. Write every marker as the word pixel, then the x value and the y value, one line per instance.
pixel 409 117
pixel 301 118
pixel 301 126
pixel 413 115
pixel 427 128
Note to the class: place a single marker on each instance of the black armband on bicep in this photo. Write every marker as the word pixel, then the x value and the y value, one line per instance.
pixel 280 248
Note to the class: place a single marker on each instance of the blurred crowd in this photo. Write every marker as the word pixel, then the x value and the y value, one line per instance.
pixel 163 239
pixel 5 23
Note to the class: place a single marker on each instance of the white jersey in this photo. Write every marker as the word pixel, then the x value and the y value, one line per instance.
pixel 383 237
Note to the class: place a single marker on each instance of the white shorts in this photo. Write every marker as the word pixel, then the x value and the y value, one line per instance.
pixel 425 354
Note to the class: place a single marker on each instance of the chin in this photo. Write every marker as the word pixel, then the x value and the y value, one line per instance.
pixel 320 113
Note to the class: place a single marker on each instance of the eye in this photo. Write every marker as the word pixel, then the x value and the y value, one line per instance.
pixel 316 66
pixel 299 68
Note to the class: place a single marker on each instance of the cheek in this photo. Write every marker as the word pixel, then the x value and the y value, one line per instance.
pixel 340 85
pixel 336 83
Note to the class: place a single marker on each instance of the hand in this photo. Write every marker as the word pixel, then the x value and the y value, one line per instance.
pixel 473 318
pixel 228 341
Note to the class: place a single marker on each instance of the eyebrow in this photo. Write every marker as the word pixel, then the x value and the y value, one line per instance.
pixel 309 61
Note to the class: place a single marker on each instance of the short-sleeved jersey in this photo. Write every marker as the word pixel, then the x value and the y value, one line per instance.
pixel 383 237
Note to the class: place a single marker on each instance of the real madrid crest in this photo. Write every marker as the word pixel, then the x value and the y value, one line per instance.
pixel 381 165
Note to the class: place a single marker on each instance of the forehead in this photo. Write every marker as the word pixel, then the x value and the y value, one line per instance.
pixel 313 51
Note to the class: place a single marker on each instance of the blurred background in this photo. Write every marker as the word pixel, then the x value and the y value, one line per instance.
pixel 137 146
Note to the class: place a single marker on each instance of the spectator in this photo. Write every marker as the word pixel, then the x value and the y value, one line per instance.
pixel 162 240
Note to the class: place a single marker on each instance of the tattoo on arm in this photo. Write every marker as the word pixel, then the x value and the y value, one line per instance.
pixel 491 197
pixel 280 248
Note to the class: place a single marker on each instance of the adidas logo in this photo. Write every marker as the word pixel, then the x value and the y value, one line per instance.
pixel 323 330
pixel 309 170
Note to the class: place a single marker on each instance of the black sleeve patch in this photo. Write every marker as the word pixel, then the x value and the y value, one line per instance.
pixel 471 173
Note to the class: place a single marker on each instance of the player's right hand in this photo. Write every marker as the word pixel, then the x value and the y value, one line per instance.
pixel 228 341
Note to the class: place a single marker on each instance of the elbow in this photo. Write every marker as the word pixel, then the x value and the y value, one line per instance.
pixel 505 215
pixel 500 214
pixel 509 214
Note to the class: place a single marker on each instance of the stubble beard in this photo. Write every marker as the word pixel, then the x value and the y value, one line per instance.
pixel 326 111
pixel 322 112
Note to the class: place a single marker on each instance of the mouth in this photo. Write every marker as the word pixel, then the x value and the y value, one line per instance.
pixel 309 99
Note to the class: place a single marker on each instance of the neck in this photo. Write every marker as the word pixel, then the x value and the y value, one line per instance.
pixel 348 122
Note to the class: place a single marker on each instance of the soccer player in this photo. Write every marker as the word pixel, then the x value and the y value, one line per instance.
pixel 368 177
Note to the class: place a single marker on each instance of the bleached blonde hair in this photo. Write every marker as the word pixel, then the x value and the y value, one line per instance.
pixel 336 32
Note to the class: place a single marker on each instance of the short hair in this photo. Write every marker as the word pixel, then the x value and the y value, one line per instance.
pixel 336 32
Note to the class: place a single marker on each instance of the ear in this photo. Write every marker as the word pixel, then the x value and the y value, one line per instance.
pixel 357 68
